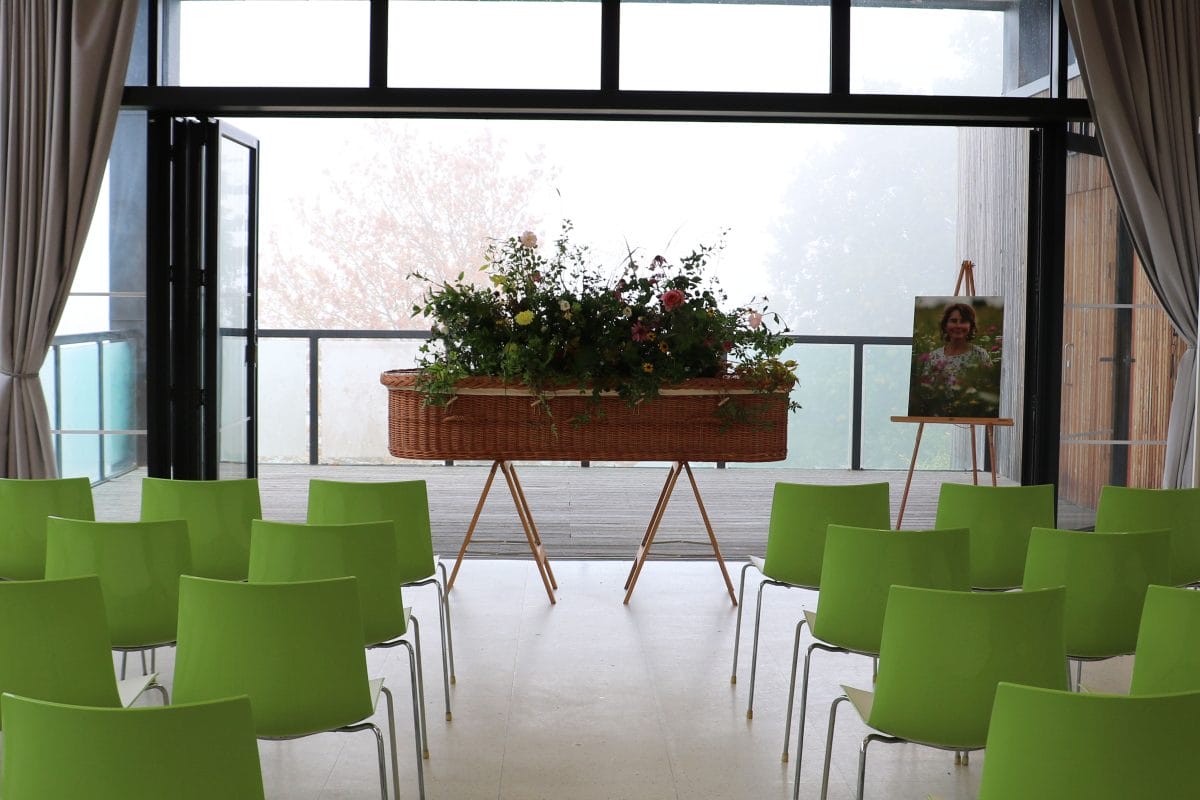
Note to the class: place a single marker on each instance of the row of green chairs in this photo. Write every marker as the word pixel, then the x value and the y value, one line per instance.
pixel 294 649
pixel 1000 682
pixel 1046 745
pixel 219 515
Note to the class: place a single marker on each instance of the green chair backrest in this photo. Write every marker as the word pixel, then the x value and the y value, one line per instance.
pixel 138 563
pixel 296 649
pixel 405 503
pixel 218 515
pixel 1055 745
pixel 999 518
pixel 800 513
pixel 943 653
pixel 1167 658
pixel 1106 575
pixel 1122 508
pixel 193 752
pixel 24 506
pixel 282 552
pixel 54 642
pixel 862 564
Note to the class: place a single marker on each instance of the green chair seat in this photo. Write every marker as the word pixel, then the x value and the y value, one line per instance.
pixel 295 649
pixel 1123 508
pixel 24 506
pixel 1051 745
pixel 860 567
pixel 941 657
pixel 218 514
pixel 282 552
pixel 1105 575
pixel 54 645
pixel 54 751
pixel 800 513
pixel 1167 655
pixel 1000 519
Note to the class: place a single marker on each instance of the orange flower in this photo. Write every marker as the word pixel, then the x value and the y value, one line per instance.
pixel 647 367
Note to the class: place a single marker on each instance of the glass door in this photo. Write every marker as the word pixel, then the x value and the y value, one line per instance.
pixel 229 307
pixel 203 272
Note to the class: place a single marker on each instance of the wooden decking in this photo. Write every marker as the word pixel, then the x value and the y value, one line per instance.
pixel 594 513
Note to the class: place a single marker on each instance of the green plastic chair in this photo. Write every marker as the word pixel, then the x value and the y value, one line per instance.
pixel 406 504
pixel 54 645
pixel 284 552
pixel 1167 656
pixel 859 569
pixel 295 649
pixel 1106 575
pixel 1051 745
pixel 138 563
pixel 941 657
pixel 1122 508
pixel 1000 519
pixel 218 514
pixel 800 513
pixel 24 506
pixel 54 751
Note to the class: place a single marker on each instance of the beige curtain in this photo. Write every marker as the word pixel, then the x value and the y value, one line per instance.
pixel 1140 61
pixel 62 71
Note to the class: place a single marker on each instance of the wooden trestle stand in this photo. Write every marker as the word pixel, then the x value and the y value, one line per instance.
pixel 965 282
pixel 535 540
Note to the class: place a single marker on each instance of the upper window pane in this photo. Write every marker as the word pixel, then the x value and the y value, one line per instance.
pixel 494 45
pixel 274 43
pixel 731 46
pixel 928 49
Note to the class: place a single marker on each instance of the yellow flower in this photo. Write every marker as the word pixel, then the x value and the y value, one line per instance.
pixel 524 317
pixel 647 367
pixel 651 336
pixel 663 346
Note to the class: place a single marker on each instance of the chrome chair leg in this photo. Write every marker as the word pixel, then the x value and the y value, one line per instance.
pixel 828 753
pixel 787 723
pixel 419 677
pixel 412 660
pixel 391 710
pixel 862 759
pixel 754 652
pixel 446 624
pixel 737 630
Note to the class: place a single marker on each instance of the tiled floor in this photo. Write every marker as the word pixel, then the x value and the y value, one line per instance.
pixel 590 698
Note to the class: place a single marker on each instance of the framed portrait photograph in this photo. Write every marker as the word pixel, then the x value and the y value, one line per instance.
pixel 957 342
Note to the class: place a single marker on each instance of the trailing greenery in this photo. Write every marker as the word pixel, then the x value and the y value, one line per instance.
pixel 553 321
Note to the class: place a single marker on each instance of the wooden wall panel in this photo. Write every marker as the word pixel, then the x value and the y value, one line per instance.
pixel 993 221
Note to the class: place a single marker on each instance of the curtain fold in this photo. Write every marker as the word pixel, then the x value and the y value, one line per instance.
pixel 62 72
pixel 1140 62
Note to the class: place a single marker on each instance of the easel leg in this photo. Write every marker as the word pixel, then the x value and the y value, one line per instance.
pixel 912 465
pixel 974 460
pixel 535 544
pixel 471 528
pixel 991 442
pixel 643 552
pixel 712 537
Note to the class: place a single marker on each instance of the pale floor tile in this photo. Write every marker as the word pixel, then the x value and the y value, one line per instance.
pixel 592 699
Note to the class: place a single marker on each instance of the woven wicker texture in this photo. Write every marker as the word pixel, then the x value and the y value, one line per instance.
pixel 489 420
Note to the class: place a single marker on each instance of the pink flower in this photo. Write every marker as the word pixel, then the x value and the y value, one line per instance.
pixel 640 332
pixel 926 356
pixel 754 320
pixel 672 299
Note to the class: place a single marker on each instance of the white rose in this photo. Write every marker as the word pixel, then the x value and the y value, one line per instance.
pixel 565 305
pixel 528 239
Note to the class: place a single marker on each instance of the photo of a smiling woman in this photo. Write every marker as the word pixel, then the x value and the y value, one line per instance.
pixel 956 357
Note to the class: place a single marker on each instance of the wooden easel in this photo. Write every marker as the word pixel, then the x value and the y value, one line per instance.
pixel 964 283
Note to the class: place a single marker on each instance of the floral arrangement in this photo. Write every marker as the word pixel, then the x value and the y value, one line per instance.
pixel 552 321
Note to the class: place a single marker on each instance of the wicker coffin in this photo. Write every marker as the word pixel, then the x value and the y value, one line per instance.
pixel 489 420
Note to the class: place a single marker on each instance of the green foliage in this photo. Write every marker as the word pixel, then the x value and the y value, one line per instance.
pixel 552 322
